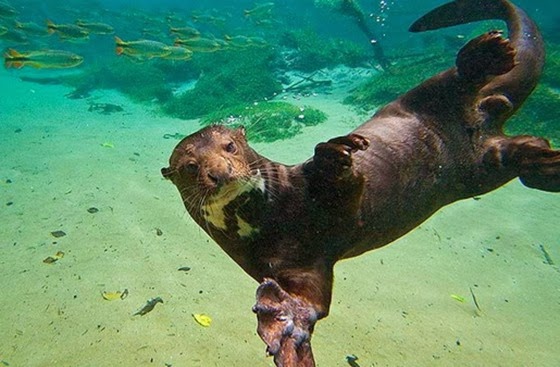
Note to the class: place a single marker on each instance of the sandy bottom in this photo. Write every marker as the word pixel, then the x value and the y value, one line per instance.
pixel 391 307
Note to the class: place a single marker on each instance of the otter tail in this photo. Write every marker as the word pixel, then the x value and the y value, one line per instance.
pixel 462 12
pixel 524 38
pixel 514 67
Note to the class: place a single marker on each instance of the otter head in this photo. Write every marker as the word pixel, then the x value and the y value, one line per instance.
pixel 211 168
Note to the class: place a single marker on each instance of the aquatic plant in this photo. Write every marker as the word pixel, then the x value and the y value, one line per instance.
pixel 384 87
pixel 551 73
pixel 538 116
pixel 268 121
pixel 313 52
pixel 352 9
pixel 142 82
pixel 229 78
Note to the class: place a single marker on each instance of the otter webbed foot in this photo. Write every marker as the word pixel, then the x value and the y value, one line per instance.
pixel 530 158
pixel 486 55
pixel 285 324
pixel 540 166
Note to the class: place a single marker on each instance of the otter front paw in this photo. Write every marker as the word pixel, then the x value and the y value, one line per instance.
pixel 285 324
pixel 334 158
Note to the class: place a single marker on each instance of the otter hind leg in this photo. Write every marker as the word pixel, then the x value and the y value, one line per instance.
pixel 540 169
pixel 530 158
pixel 285 324
pixel 487 55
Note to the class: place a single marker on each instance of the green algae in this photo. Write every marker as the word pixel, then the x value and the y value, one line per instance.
pixel 539 114
pixel 385 87
pixel 268 121
pixel 142 82
pixel 230 78
pixel 313 52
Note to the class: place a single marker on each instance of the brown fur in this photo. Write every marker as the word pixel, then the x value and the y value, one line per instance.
pixel 438 143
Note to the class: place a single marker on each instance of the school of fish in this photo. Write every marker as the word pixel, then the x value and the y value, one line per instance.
pixel 173 37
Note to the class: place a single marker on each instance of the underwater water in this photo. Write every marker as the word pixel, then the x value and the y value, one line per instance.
pixel 90 230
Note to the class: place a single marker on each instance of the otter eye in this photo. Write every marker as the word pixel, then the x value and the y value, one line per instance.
pixel 230 148
pixel 191 167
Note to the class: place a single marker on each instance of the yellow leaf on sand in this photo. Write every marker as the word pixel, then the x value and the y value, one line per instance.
pixel 55 258
pixel 202 319
pixel 458 298
pixel 111 296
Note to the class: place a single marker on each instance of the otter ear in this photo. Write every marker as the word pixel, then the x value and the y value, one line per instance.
pixel 241 131
pixel 166 172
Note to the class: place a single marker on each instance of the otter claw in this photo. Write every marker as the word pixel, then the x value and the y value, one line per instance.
pixel 334 158
pixel 341 148
pixel 284 321
pixel 352 142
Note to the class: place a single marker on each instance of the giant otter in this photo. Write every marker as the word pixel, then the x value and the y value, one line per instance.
pixel 287 226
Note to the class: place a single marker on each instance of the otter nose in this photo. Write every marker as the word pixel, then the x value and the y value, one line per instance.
pixel 219 173
pixel 214 178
